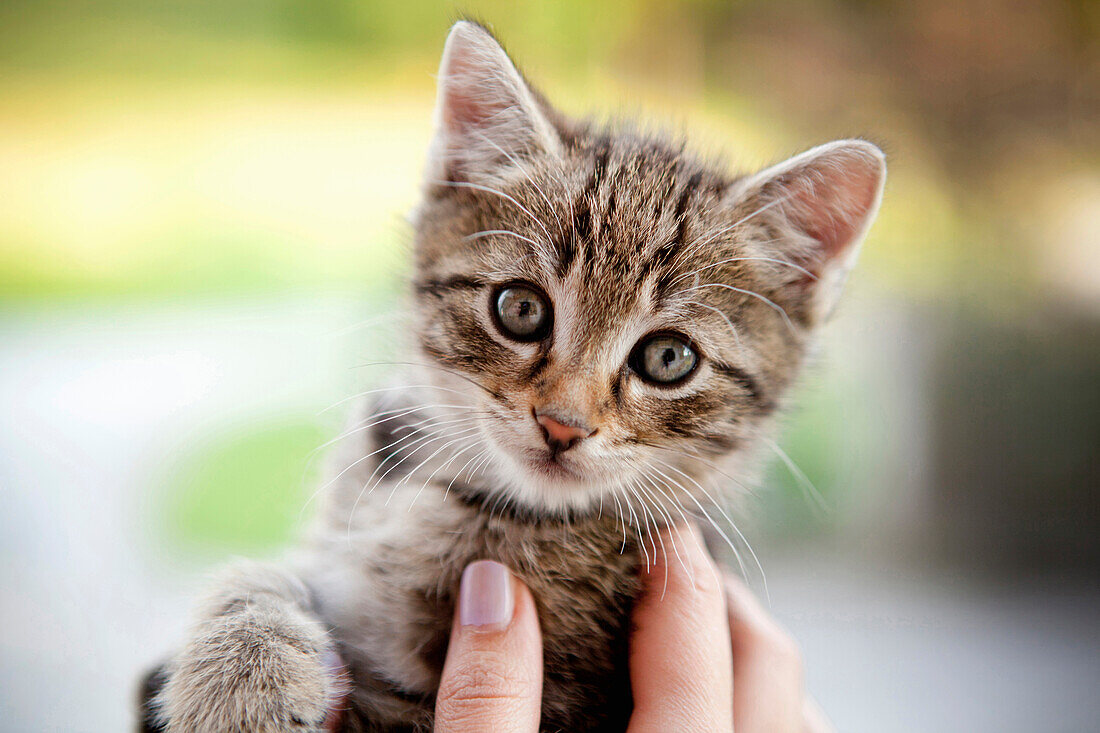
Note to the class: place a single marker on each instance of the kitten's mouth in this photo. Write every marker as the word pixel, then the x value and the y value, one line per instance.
pixel 551 465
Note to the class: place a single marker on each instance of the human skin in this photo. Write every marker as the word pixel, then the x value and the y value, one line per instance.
pixel 704 655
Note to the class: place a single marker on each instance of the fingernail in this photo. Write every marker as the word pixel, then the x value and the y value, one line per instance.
pixel 485 597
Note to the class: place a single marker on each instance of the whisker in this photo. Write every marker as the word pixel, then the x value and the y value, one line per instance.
pixel 436 437
pixel 642 496
pixel 335 478
pixel 622 518
pixel 668 515
pixel 771 304
pixel 360 426
pixel 438 434
pixel 634 521
pixel 808 489
pixel 492 232
pixel 373 483
pixel 506 197
pixel 733 329
pixel 693 454
pixel 395 414
pixel 426 365
pixel 763 575
pixel 481 465
pixel 501 497
pixel 646 516
pixel 442 466
pixel 773 260
pixel 409 474
pixel 371 322
pixel 435 421
pixel 475 457
pixel 485 463
pixel 669 482
pixel 395 388
pixel 527 175
pixel 710 238
pixel 477 466
pixel 642 523
pixel 347 468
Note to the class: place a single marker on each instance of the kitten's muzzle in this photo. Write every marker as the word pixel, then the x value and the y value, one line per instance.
pixel 561 433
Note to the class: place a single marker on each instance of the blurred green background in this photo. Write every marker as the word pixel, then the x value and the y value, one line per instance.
pixel 187 147
pixel 202 240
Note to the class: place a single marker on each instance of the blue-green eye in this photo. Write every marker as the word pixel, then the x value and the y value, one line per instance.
pixel 664 358
pixel 522 312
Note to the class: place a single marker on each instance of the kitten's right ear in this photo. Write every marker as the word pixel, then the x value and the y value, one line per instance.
pixel 487 119
pixel 820 205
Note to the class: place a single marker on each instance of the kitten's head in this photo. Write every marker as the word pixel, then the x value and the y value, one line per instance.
pixel 630 316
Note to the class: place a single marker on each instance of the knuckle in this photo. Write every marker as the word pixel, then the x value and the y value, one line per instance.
pixel 777 644
pixel 704 589
pixel 786 648
pixel 705 583
pixel 476 682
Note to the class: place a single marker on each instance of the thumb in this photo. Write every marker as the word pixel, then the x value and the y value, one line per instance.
pixel 492 679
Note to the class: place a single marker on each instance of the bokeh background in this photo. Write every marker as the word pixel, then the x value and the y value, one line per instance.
pixel 202 243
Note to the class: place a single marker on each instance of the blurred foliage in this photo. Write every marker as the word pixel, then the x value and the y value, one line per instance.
pixel 184 148
pixel 241 491
pixel 142 140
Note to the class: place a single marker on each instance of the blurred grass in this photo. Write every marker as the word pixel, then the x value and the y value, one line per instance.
pixel 241 491
pixel 187 149
pixel 212 191
pixel 177 148
pixel 194 149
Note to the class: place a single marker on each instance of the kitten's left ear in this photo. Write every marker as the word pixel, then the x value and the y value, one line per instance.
pixel 817 208
pixel 487 118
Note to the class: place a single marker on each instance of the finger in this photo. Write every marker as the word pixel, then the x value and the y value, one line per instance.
pixel 814 720
pixel 680 667
pixel 767 667
pixel 492 678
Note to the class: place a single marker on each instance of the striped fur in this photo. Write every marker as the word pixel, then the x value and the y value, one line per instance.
pixel 627 235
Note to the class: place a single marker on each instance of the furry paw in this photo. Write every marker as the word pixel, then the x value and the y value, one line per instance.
pixel 258 668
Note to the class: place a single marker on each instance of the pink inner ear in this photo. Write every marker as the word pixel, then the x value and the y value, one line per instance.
pixel 467 103
pixel 464 111
pixel 831 198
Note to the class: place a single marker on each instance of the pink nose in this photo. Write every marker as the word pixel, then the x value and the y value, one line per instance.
pixel 559 435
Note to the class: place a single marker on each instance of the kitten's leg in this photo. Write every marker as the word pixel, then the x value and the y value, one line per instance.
pixel 151 685
pixel 257 660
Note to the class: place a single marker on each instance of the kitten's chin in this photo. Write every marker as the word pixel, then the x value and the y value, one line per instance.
pixel 553 468
pixel 545 484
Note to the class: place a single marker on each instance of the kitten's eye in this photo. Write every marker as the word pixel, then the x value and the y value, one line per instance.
pixel 664 358
pixel 522 312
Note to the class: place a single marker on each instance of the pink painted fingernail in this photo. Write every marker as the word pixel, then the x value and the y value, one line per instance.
pixel 485 598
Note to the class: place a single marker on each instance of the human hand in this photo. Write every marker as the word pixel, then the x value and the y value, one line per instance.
pixel 705 655
pixel 492 678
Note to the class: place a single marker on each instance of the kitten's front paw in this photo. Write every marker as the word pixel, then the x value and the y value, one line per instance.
pixel 259 669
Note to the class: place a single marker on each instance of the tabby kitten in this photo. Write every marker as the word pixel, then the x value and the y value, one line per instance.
pixel 605 326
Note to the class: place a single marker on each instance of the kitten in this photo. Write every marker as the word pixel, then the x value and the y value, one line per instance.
pixel 605 327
